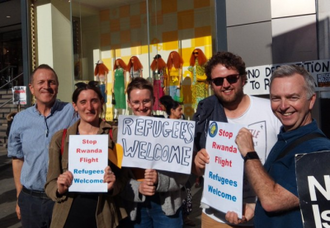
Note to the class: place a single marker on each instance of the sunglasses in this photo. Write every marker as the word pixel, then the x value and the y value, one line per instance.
pixel 230 79
pixel 83 84
pixel 196 53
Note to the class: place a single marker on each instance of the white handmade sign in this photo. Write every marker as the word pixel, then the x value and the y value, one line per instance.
pixel 156 143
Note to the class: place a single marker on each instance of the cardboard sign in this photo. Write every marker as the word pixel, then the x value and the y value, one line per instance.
pixel 223 177
pixel 156 143
pixel 313 181
pixel 88 157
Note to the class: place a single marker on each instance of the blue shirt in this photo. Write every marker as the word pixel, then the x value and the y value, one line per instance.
pixel 29 138
pixel 283 173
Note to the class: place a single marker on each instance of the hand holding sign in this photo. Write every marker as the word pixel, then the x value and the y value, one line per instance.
pixel 248 214
pixel 151 175
pixel 109 177
pixel 64 181
pixel 244 141
pixel 201 159
pixel 147 188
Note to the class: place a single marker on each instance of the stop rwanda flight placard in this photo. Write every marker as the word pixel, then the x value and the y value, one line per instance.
pixel 223 177
pixel 88 157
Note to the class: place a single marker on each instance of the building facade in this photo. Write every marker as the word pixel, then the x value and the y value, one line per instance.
pixel 73 36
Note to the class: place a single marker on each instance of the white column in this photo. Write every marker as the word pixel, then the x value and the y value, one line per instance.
pixel 55 45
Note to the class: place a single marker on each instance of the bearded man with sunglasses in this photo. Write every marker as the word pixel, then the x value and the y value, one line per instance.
pixel 227 76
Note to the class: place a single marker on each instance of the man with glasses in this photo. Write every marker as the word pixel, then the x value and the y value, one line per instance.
pixel 227 75
pixel 28 143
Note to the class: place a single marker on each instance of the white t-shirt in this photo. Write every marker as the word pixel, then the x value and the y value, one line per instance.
pixel 264 126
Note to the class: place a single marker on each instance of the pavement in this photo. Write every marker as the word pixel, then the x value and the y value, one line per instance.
pixel 196 192
pixel 8 217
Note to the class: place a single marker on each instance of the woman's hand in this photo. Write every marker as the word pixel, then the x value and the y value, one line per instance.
pixel 151 175
pixel 64 181
pixel 147 188
pixel 109 177
pixel 148 185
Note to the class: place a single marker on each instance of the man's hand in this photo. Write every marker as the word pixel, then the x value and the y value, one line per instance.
pixel 201 159
pixel 18 211
pixel 244 141
pixel 109 177
pixel 64 181
pixel 17 164
pixel 248 214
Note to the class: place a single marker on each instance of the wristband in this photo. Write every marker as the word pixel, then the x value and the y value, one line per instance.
pixel 251 155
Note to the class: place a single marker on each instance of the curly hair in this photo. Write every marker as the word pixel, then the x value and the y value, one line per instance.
pixel 137 64
pixel 158 64
pixel 201 57
pixel 100 69
pixel 176 60
pixel 121 63
pixel 229 60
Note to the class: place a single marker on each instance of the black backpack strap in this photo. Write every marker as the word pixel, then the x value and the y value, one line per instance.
pixel 299 141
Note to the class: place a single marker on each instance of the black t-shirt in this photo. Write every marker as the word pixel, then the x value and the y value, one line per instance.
pixel 82 211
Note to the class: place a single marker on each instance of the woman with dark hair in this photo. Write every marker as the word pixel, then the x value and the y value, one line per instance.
pixel 134 67
pixel 74 209
pixel 172 108
pixel 153 197
pixel 199 84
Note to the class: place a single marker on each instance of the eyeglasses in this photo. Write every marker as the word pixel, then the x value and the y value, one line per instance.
pixel 195 53
pixel 145 103
pixel 230 79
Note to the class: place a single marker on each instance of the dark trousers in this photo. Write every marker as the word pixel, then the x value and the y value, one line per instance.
pixel 36 210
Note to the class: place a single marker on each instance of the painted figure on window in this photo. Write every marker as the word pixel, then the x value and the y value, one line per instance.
pixel 158 67
pixel 119 86
pixel 174 76
pixel 199 84
pixel 101 73
pixel 134 67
